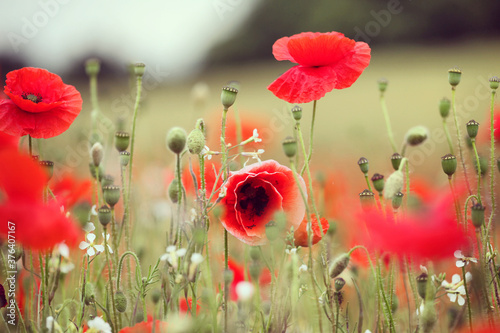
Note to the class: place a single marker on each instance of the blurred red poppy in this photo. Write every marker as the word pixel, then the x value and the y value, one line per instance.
pixel 69 190
pixel 40 104
pixel 254 194
pixel 8 141
pixel 326 61
pixel 300 234
pixel 146 327
pixel 211 170
pixel 185 306
pixel 35 224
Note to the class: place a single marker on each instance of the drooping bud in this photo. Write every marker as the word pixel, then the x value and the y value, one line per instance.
pixel 454 76
pixel 339 283
pixel 111 194
pixel 107 180
pixel 396 160
pixel 156 296
pixel 122 140
pixel 97 153
pixel 494 82
pixel 472 128
pixel 477 215
pixel 444 107
pixel 120 301
pixel 124 158
pixel 48 166
pixel 416 135
pixel 195 141
pixel 397 200
pixel 176 140
pixel 173 191
pixel 92 66
pixel 449 164
pixel 378 182
pixel 363 165
pixel 93 171
pixel 367 199
pixel 104 215
pixel 139 69
pixel 89 293
pixel 382 84
pixel 228 96
pixel 290 146
pixel 297 112
pixel 394 184
pixel 339 265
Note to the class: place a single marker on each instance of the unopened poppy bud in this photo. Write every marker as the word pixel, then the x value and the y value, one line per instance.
pixel 395 303
pixel 422 284
pixel 454 75
pixel 494 82
pixel 120 301
pixel 122 140
pixel 228 96
pixel 173 191
pixel 107 180
pixel 92 66
pixel 111 194
pixel 255 253
pixel 104 215
pixel 93 171
pixel 339 265
pixel 393 184
pixel 416 135
pixel 397 200
pixel 483 164
pixel 97 153
pixel 228 276
pixel 195 141
pixel 449 164
pixel 176 140
pixel 378 182
pixel 396 160
pixel 477 215
pixel 254 269
pixel 472 128
pixel 297 112
pixel 339 283
pixel 367 199
pixel 156 296
pixel 290 146
pixel 48 166
pixel 124 158
pixel 363 165
pixel 382 84
pixel 444 107
pixel 139 69
pixel 89 293
pixel 272 231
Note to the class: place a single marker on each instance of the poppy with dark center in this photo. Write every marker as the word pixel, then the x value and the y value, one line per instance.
pixel 326 61
pixel 39 104
pixel 255 194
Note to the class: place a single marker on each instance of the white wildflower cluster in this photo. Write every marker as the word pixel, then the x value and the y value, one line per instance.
pixel 172 255
pixel 91 247
pixel 456 289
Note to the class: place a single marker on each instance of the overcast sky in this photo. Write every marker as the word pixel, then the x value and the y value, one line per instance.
pixel 174 35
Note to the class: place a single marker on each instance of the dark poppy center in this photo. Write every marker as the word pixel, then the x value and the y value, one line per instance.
pixel 35 98
pixel 254 200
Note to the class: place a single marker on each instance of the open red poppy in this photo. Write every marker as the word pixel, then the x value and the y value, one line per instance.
pixel 254 194
pixel 40 104
pixel 326 61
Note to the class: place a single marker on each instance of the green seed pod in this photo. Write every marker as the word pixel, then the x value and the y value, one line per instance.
pixel 339 265
pixel 173 191
pixel 176 140
pixel 393 184
pixel 228 276
pixel 367 199
pixel 477 215
pixel 416 135
pixel 97 153
pixel 378 182
pixel 297 112
pixel 122 140
pixel 156 295
pixel 382 84
pixel 449 164
pixel 92 66
pixel 444 107
pixel 120 301
pixel 111 194
pixel 422 284
pixel 195 141
pixel 363 165
pixel 454 76
pixel 139 69
pixel 472 128
pixel 272 231
pixel 89 293
pixel 396 160
pixel 339 283
pixel 290 146
pixel 255 253
pixel 254 269
pixel 48 166
pixel 494 82
pixel 104 215
pixel 124 158
pixel 397 200
pixel 228 96
pixel 107 180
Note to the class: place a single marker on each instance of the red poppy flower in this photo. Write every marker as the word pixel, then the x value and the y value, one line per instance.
pixel 239 276
pixel 300 234
pixel 211 169
pixel 70 190
pixel 35 224
pixel 40 104
pixel 254 194
pixel 326 61
pixel 186 306
pixel 429 233
pixel 8 141
pixel 146 327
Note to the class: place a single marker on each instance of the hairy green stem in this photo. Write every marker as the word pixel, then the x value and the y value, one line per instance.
pixel 309 156
pixel 387 121
pixel 468 299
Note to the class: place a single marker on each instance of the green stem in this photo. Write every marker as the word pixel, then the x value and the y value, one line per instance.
pixel 387 122
pixel 120 264
pixel 473 141
pixel 448 136
pixel 30 145
pixel 492 161
pixel 455 201
pixel 368 182
pixel 467 296
pixel 226 254
pixel 106 250
pixel 309 156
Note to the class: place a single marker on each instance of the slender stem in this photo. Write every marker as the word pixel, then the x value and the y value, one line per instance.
pixel 309 156
pixel 455 201
pixel 30 145
pixel 448 136
pixel 387 122
pixel 106 250
pixel 226 250
pixel 478 169
pixel 467 296
pixel 368 182
pixel 179 198
pixel 492 160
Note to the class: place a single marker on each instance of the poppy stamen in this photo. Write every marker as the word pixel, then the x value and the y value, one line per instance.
pixel 35 98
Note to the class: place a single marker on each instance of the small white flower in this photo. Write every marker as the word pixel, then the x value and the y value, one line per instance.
pixel 303 268
pixel 463 260
pixel 196 258
pixel 107 242
pixel 93 211
pixel 424 269
pixel 256 136
pixel 172 255
pixel 456 289
pixel 206 153
pixel 52 325
pixel 222 192
pixel 291 251
pixel 89 227
pixel 420 309
pixel 99 324
pixel 91 248
pixel 245 290
pixel 253 155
